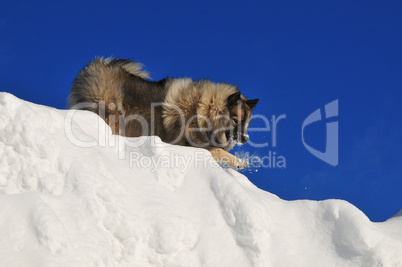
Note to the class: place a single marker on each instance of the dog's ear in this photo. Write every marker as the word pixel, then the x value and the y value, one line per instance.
pixel 233 99
pixel 252 103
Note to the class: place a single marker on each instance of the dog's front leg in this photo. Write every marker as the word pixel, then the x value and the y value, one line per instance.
pixel 225 157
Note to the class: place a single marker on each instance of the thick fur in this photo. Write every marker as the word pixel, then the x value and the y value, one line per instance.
pixel 117 90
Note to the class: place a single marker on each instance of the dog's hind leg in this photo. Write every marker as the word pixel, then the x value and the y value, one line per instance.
pixel 112 118
pixel 225 158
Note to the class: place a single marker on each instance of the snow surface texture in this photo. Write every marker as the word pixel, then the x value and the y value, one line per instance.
pixel 63 204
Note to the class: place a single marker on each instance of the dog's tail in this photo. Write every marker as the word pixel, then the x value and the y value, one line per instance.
pixel 133 67
pixel 102 81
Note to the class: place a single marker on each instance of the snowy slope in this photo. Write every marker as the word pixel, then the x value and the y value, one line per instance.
pixel 64 204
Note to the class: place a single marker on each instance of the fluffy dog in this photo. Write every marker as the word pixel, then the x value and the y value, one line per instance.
pixel 214 116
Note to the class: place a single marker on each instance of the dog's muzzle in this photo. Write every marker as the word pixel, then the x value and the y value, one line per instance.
pixel 244 138
pixel 241 138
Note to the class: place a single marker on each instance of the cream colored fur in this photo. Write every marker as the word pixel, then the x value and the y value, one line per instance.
pixel 203 99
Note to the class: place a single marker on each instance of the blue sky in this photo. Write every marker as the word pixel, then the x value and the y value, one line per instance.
pixel 296 56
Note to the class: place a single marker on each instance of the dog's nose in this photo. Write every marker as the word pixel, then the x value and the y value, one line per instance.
pixel 244 139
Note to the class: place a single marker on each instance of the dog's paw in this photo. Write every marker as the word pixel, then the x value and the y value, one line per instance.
pixel 240 164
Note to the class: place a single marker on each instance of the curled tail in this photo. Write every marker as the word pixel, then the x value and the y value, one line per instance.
pixel 99 87
pixel 133 67
pixel 103 80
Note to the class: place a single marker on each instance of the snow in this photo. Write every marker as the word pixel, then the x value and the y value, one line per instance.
pixel 72 194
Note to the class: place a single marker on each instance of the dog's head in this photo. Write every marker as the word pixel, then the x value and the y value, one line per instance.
pixel 240 115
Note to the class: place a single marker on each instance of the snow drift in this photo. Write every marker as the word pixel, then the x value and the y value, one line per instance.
pixel 74 195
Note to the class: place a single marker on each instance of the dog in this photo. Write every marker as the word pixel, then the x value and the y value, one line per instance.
pixel 202 114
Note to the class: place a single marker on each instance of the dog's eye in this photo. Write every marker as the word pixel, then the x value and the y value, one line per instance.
pixel 235 121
